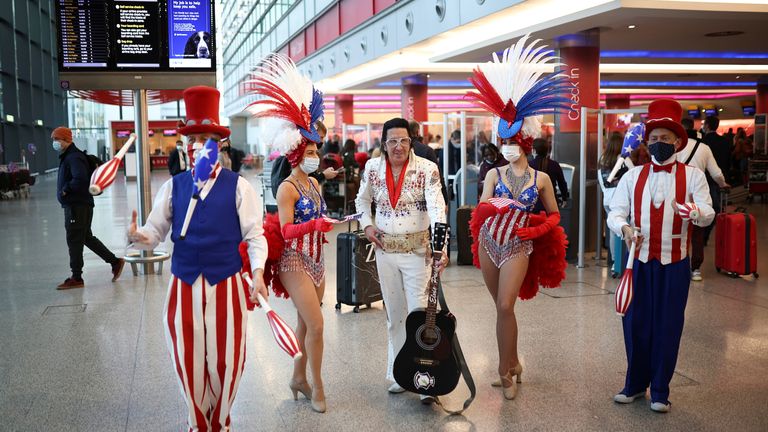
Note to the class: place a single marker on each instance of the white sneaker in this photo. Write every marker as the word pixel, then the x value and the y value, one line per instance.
pixel 624 399
pixel 660 407
pixel 696 275
pixel 395 388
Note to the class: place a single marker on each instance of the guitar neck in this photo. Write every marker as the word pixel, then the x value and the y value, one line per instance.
pixel 434 281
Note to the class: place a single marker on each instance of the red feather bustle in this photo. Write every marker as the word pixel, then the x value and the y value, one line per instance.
pixel 546 265
pixel 276 245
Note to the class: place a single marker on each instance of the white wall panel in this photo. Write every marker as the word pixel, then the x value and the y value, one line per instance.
pixel 471 10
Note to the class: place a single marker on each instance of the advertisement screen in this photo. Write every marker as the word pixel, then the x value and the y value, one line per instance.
pixel 169 132
pixel 189 34
pixel 123 133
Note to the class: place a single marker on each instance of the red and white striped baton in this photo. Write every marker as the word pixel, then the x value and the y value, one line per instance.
pixel 105 174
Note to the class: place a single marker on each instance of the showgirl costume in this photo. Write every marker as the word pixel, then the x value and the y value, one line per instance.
pixel 497 233
pixel 291 105
pixel 305 253
pixel 512 90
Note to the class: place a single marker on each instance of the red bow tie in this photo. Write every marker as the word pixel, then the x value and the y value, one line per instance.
pixel 667 167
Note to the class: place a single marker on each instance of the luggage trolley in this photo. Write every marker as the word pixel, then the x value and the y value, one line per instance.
pixel 757 177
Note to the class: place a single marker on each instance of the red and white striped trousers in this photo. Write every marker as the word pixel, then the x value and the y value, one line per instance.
pixel 205 331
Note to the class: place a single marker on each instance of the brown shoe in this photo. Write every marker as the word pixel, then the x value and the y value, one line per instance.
pixel 71 283
pixel 117 269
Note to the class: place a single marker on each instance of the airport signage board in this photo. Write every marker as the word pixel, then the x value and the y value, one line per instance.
pixel 134 44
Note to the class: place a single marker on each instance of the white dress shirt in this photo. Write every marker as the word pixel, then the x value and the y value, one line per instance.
pixel 702 159
pixel 660 187
pixel 249 210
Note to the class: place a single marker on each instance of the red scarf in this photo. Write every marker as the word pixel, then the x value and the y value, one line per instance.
pixel 394 191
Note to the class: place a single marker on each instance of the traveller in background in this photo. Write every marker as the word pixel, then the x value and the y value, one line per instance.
pixel 721 150
pixel 491 159
pixel 697 154
pixel 542 162
pixel 607 161
pixel 178 160
pixel 422 150
pixel 77 202
pixel 742 152
pixel 405 190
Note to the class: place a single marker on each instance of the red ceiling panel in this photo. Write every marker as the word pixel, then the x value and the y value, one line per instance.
pixel 353 12
pixel 327 27
pixel 296 47
pixel 309 39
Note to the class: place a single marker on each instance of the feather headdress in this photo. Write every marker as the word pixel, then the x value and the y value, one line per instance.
pixel 290 101
pixel 515 88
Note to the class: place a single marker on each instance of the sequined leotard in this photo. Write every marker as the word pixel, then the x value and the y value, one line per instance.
pixel 497 235
pixel 306 253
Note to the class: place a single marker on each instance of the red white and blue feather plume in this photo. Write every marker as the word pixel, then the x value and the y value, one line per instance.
pixel 517 90
pixel 290 98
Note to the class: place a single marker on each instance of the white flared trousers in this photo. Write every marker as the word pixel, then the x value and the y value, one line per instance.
pixel 403 280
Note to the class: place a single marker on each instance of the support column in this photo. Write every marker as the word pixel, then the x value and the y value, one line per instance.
pixel 761 98
pixel 143 175
pixel 414 98
pixel 343 111
pixel 581 55
pixel 615 101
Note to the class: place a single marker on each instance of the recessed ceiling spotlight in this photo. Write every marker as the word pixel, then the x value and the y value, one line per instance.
pixel 738 76
pixel 724 33
pixel 631 26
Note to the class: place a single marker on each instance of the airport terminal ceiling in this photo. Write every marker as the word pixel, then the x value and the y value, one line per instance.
pixel 642 50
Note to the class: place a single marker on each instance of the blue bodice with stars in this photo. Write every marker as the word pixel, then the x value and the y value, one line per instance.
pixel 305 208
pixel 527 198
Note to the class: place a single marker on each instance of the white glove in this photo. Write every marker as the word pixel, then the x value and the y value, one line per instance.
pixel 689 211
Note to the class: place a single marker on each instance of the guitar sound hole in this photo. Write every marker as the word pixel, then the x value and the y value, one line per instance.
pixel 427 338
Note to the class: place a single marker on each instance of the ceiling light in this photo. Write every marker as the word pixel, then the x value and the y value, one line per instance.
pixel 738 76
pixel 631 26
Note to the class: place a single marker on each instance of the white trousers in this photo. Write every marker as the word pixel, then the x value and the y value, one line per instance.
pixel 205 331
pixel 403 286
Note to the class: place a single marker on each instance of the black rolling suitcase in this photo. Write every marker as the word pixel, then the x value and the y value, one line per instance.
pixel 463 236
pixel 357 280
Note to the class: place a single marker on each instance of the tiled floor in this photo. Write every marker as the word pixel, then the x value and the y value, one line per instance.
pixel 99 363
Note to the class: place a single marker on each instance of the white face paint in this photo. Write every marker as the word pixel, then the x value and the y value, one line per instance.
pixel 511 152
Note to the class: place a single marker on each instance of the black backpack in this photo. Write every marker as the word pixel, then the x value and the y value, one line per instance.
pixel 93 162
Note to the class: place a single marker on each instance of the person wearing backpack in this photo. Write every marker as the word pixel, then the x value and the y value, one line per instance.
pixel 72 192
pixel 699 155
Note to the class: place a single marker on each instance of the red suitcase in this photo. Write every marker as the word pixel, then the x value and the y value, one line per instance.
pixel 736 244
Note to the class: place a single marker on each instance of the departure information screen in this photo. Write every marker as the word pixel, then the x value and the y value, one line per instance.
pixel 135 35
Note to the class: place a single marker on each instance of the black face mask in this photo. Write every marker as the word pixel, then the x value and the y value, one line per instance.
pixel 661 151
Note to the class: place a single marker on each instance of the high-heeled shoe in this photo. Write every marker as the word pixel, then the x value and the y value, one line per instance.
pixel 517 371
pixel 318 405
pixel 302 387
pixel 511 391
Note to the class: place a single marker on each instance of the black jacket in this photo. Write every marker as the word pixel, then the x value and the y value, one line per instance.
pixel 422 150
pixel 74 178
pixel 721 150
pixel 174 163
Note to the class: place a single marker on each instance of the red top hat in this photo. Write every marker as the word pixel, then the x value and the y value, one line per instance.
pixel 202 104
pixel 666 113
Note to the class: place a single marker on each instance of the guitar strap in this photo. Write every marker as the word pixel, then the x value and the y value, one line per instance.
pixel 456 346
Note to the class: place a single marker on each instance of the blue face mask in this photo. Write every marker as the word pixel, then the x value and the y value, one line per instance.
pixel 57 146
pixel 661 151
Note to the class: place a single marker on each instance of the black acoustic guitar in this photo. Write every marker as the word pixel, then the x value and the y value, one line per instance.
pixel 426 364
